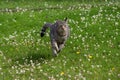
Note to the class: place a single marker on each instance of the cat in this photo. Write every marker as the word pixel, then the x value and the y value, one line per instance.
pixel 59 33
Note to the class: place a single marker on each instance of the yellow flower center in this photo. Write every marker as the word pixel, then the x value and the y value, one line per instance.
pixel 62 73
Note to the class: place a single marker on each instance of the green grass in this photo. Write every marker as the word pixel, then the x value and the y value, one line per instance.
pixel 91 53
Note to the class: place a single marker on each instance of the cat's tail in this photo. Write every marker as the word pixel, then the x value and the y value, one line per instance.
pixel 44 28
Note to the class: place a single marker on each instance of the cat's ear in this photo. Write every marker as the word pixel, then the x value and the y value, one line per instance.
pixel 66 19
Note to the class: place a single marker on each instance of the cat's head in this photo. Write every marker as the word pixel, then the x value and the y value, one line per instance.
pixel 62 27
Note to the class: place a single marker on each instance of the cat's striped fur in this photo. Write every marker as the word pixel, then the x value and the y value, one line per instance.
pixel 59 32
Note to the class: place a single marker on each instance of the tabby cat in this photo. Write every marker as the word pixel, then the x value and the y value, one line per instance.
pixel 59 32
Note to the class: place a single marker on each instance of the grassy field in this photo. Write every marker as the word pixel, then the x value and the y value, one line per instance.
pixel 91 53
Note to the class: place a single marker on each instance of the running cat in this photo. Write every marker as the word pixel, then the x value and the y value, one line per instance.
pixel 59 33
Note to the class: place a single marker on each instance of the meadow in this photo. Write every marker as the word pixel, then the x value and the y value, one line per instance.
pixel 92 51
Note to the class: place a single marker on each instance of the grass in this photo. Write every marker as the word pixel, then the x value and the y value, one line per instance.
pixel 92 52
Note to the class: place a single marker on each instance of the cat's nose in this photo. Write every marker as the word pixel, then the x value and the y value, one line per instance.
pixel 62 27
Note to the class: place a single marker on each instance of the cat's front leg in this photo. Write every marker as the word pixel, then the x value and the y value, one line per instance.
pixel 54 47
pixel 60 47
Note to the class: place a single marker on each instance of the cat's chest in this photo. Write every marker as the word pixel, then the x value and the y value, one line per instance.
pixel 60 39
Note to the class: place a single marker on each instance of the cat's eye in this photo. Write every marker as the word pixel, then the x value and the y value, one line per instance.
pixel 61 25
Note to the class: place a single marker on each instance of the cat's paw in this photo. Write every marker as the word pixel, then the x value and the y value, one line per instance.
pixel 58 51
pixel 55 55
